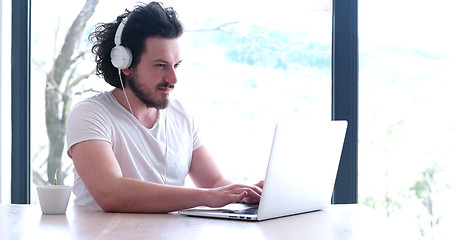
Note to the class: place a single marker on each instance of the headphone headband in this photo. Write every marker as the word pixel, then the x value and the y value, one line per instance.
pixel 118 33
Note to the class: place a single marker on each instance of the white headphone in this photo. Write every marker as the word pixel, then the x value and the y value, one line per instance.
pixel 121 56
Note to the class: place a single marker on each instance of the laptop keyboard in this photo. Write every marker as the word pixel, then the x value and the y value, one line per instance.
pixel 250 211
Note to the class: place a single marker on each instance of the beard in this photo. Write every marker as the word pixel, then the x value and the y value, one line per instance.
pixel 153 99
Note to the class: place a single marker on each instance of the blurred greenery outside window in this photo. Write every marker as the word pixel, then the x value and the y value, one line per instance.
pixel 406 118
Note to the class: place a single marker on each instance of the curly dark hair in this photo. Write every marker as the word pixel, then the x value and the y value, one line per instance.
pixel 144 21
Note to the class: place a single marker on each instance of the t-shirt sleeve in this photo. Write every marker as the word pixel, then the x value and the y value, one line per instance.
pixel 86 122
pixel 197 138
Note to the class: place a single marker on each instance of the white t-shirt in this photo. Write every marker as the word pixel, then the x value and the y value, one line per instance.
pixel 140 152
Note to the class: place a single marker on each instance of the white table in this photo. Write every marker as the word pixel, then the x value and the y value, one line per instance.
pixel 336 222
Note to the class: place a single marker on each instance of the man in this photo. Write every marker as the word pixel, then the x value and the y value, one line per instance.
pixel 132 147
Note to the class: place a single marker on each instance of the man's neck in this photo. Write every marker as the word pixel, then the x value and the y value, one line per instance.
pixel 146 116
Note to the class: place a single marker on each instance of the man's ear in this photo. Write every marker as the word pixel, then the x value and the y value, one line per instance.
pixel 127 71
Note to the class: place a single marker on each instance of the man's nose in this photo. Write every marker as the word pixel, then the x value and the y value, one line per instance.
pixel 171 76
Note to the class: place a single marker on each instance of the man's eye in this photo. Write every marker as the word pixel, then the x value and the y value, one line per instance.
pixel 161 65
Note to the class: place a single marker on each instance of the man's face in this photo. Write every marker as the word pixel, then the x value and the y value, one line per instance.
pixel 154 76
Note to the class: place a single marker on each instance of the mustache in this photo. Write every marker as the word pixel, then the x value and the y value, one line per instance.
pixel 166 85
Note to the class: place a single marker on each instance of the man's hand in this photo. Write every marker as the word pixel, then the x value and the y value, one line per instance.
pixel 252 199
pixel 221 196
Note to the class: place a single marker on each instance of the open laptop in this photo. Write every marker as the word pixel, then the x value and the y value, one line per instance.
pixel 300 175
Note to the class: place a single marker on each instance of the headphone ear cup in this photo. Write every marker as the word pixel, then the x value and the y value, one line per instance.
pixel 121 57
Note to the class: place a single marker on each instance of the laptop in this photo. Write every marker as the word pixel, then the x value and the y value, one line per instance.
pixel 300 175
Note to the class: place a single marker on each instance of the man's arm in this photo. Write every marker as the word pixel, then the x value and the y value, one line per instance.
pixel 98 168
pixel 205 174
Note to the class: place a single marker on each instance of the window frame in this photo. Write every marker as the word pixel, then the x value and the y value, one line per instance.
pixel 20 101
pixel 344 98
pixel 345 78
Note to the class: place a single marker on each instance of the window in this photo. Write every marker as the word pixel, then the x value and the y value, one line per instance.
pixel 244 70
pixel 406 122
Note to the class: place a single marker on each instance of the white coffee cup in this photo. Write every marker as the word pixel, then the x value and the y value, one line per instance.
pixel 54 198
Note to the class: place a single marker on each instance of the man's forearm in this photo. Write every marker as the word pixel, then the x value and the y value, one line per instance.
pixel 222 182
pixel 132 195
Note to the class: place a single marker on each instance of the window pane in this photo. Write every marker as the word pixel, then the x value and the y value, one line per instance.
pixel 242 70
pixel 406 122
